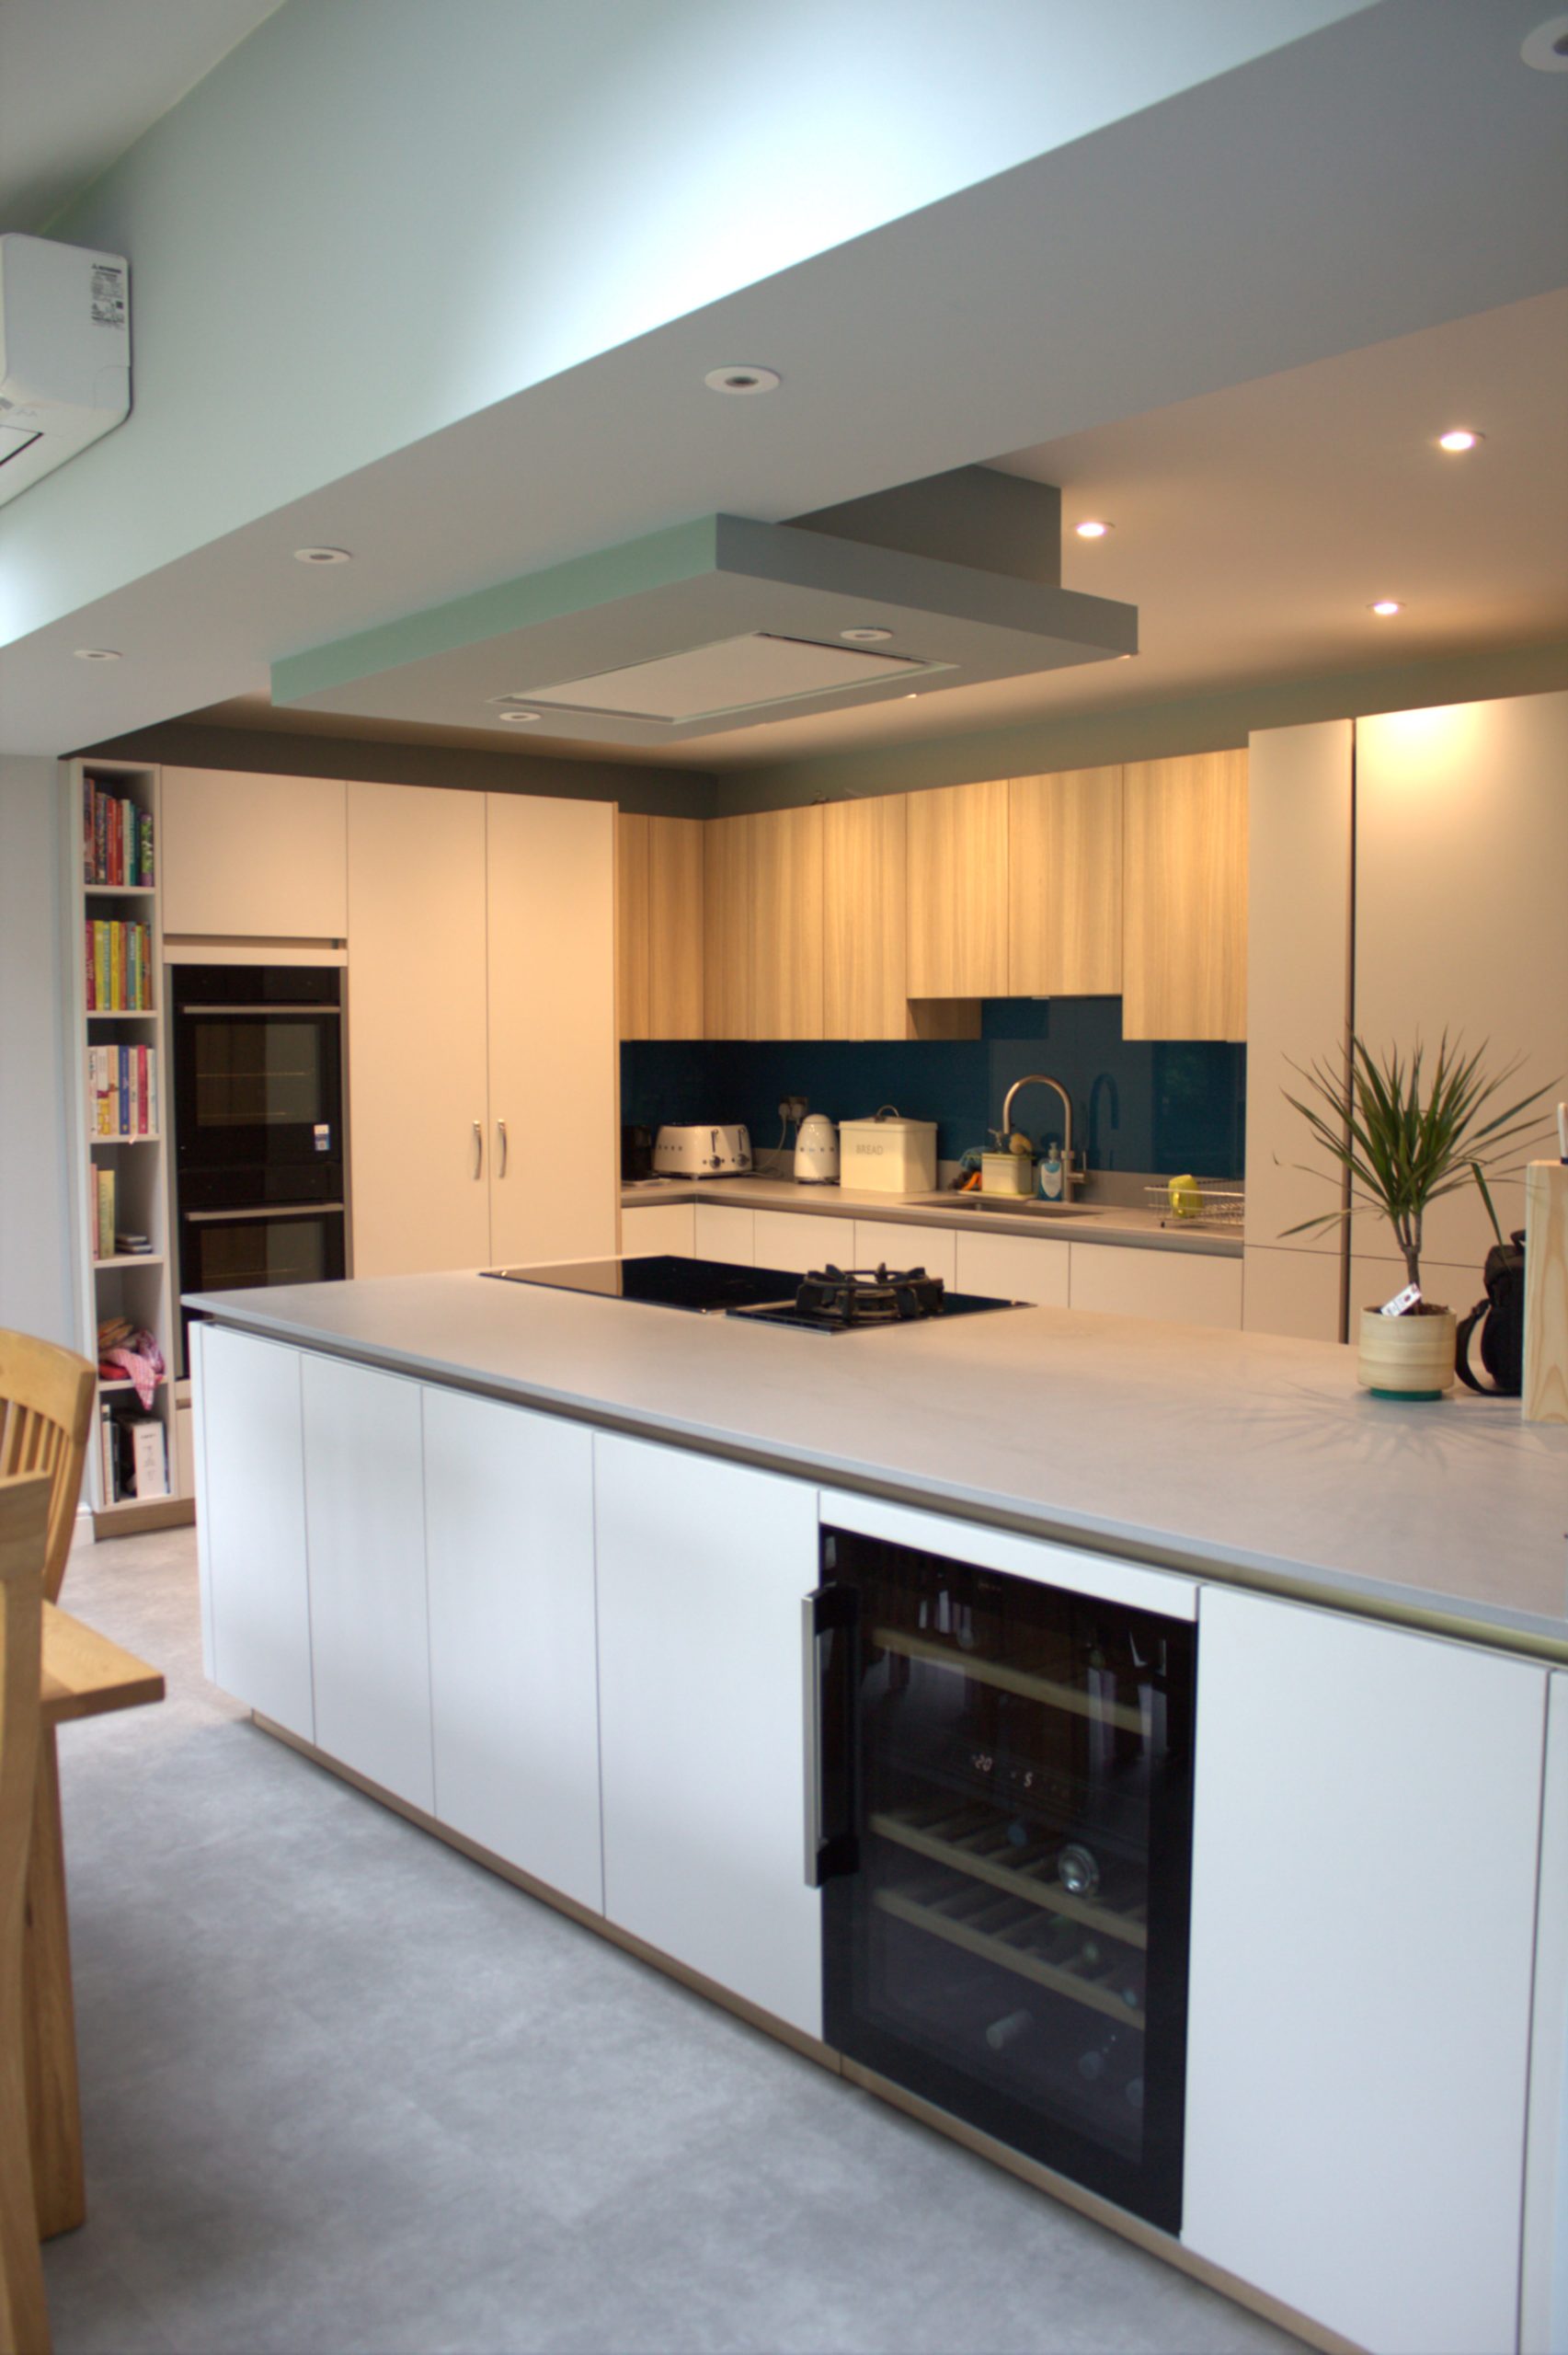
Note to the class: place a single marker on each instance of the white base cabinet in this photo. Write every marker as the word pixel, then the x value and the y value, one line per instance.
pixel 702 1570
pixel 658 1228
pixel 508 1532
pixel 365 1524
pixel 1366 1815
pixel 251 1524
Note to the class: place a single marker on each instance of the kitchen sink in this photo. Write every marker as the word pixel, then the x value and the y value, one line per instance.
pixel 1009 1205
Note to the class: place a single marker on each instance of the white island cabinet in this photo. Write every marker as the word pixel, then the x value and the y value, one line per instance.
pixel 364 1518
pixel 1366 1816
pixel 251 1528
pixel 508 1531
pixel 704 1568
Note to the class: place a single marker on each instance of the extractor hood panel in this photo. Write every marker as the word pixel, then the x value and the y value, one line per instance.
pixel 725 620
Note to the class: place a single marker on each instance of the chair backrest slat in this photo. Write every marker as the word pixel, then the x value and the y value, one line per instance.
pixel 24 1522
pixel 46 1417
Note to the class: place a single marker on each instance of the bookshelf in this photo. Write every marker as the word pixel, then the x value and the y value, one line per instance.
pixel 122 1125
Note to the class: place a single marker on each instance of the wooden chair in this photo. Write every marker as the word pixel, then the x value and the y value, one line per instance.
pixel 46 1415
pixel 24 1519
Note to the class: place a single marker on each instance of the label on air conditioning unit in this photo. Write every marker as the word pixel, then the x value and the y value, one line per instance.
pixel 108 290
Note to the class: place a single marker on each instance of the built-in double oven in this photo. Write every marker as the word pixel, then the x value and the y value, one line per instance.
pixel 260 1165
pixel 1001 1826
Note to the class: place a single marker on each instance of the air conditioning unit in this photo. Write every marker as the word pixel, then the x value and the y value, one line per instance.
pixel 65 354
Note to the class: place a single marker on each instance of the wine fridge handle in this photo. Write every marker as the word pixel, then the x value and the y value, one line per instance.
pixel 831 1609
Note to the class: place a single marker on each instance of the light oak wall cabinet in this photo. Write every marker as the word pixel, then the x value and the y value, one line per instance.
pixel 658 926
pixel 865 928
pixel 1064 884
pixel 785 944
pixel 727 911
pixel 1185 898
pixel 957 892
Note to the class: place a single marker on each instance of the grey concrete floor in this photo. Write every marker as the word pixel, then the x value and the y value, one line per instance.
pixel 344 2090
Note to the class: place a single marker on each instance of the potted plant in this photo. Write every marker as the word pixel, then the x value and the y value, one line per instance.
pixel 1403 1140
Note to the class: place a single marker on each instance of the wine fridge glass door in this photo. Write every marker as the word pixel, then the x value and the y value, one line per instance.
pixel 1011 1942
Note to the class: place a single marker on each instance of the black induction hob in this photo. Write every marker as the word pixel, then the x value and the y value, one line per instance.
pixel 717 1288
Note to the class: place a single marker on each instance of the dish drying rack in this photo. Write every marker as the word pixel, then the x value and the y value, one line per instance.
pixel 1223 1201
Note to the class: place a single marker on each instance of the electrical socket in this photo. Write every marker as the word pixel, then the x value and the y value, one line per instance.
pixel 792 1108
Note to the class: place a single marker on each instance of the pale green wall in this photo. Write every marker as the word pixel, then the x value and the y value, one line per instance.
pixel 376 217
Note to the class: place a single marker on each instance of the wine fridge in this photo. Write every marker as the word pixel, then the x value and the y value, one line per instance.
pixel 1002 1825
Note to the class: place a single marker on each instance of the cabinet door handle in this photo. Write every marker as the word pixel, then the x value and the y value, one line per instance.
pixel 478 1149
pixel 501 1137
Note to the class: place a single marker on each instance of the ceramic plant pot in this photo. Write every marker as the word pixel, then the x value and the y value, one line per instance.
pixel 1406 1357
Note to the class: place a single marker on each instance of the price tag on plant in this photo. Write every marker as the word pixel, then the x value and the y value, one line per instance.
pixel 1402 1302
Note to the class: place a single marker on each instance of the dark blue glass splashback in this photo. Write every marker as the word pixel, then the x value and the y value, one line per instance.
pixel 1167 1106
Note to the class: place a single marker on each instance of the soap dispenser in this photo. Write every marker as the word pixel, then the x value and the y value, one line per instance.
pixel 1051 1174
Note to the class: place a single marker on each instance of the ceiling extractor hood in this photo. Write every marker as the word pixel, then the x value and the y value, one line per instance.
pixel 724 622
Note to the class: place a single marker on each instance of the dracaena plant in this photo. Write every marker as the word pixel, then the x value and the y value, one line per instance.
pixel 1406 1135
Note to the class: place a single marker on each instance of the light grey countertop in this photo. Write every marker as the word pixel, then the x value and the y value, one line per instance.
pixel 1244 1456
pixel 1110 1221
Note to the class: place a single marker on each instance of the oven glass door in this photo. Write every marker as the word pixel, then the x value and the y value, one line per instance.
pixel 258 1087
pixel 234 1250
pixel 1007 1932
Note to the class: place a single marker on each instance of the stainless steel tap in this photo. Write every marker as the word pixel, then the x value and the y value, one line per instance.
pixel 1042 1079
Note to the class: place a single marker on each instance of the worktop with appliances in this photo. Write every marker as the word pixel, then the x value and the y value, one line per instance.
pixel 749 1647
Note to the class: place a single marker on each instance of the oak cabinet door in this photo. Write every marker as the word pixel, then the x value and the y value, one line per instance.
pixel 550 921
pixel 866 919
pixel 632 924
pixel 509 1520
pixel 1064 884
pixel 702 1570
pixel 675 928
pixel 365 1526
pixel 786 923
pixel 1185 898
pixel 727 928
pixel 957 892
pixel 418 1116
pixel 1365 1819
pixel 251 1523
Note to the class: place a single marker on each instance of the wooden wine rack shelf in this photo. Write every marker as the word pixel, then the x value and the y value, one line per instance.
pixel 997 1933
pixel 973 1843
pixel 1009 1680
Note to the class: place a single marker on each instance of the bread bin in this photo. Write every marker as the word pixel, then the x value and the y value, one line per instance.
pixel 887 1154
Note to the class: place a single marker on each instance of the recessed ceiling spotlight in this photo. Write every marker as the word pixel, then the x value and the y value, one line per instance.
pixel 518 717
pixel 98 654
pixel 1093 529
pixel 323 556
pixel 1547 48
pixel 1387 606
pixel 867 636
pixel 1461 437
pixel 742 376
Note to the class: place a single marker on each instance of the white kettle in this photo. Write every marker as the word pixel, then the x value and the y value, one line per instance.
pixel 816 1151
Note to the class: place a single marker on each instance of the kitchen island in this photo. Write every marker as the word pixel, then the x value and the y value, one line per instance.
pixel 530 1565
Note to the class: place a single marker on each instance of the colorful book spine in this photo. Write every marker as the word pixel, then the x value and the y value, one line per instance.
pixel 104 1205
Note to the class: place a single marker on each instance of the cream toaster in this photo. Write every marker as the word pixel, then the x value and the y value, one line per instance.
pixel 723 1152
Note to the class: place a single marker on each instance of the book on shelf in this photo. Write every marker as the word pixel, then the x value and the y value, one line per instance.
pixel 119 967
pixel 117 838
pixel 133 1456
pixel 128 1246
pixel 123 1092
pixel 103 1244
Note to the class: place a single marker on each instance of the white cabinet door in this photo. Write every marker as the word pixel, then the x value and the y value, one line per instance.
pixel 250 1519
pixel 725 1233
pixel 1543 2321
pixel 703 1569
pixel 1367 1812
pixel 554 1156
pixel 508 1524
pixel 254 856
pixel 658 1228
pixel 365 1521
pixel 1013 1267
pixel 1177 1287
pixel 797 1241
pixel 881 1243
pixel 417 1060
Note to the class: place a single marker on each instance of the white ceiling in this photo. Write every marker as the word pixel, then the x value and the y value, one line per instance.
pixel 81 80
pixel 1292 291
